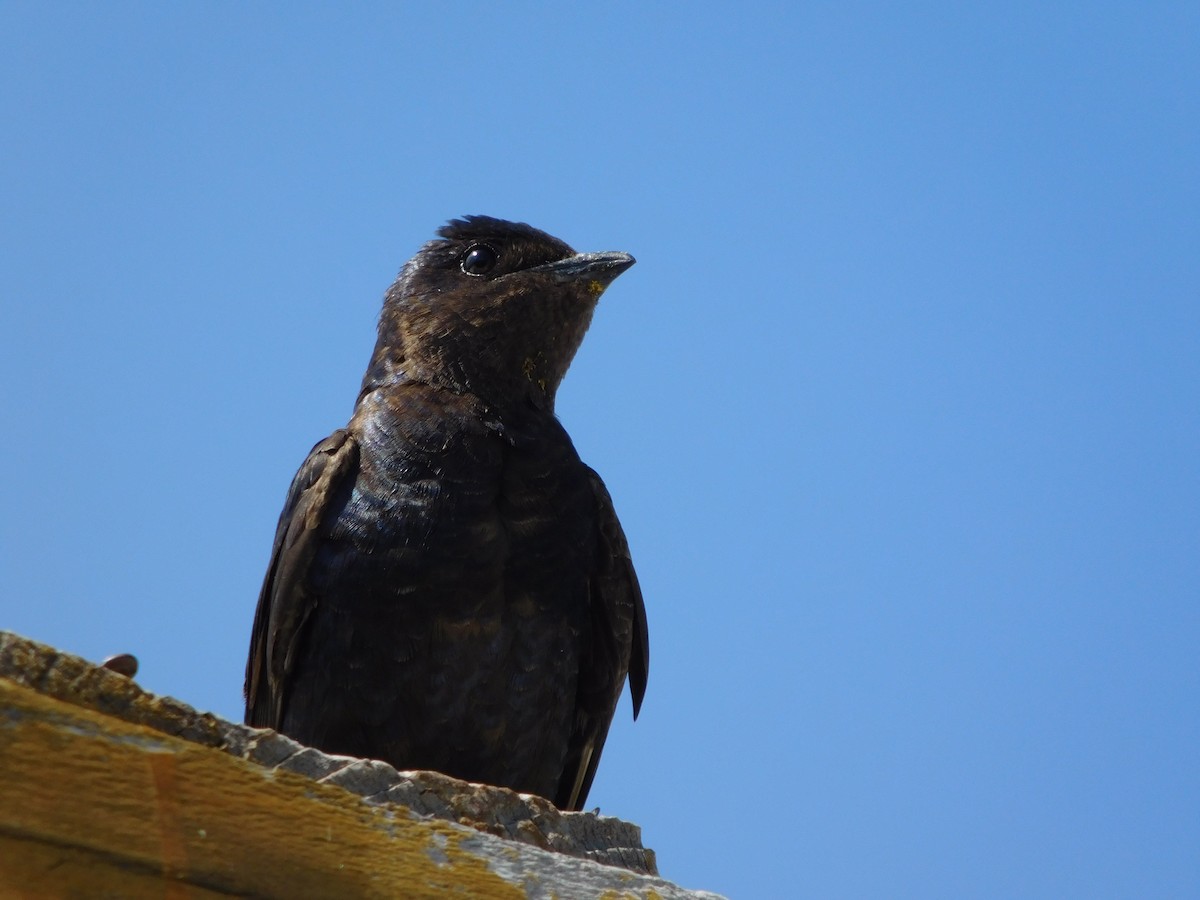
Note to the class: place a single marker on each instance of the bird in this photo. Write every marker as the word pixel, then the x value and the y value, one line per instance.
pixel 449 587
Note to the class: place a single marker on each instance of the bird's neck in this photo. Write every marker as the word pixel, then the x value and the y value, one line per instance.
pixel 506 390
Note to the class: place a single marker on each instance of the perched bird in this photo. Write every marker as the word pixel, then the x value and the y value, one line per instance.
pixel 449 587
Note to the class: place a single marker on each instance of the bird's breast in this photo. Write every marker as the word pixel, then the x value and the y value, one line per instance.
pixel 451 511
pixel 458 563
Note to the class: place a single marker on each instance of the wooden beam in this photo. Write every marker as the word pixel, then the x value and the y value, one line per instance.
pixel 109 805
pixel 109 791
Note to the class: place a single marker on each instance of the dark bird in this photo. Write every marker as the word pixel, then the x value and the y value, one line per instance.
pixel 450 588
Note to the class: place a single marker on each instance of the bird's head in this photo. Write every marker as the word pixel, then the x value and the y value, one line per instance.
pixel 493 308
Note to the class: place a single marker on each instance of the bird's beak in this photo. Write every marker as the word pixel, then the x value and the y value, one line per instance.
pixel 597 268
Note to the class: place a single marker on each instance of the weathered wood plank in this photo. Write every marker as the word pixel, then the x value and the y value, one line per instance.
pixel 499 811
pixel 107 791
pixel 74 779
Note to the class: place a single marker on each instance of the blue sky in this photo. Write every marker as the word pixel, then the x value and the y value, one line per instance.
pixel 900 406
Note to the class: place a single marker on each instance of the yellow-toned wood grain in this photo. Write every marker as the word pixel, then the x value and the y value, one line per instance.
pixel 32 870
pixel 91 806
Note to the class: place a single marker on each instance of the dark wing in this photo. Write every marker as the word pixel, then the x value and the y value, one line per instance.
pixel 284 604
pixel 618 644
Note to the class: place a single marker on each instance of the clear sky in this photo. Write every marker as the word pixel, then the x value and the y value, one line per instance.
pixel 900 406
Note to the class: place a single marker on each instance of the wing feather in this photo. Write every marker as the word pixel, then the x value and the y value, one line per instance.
pixel 285 602
pixel 618 644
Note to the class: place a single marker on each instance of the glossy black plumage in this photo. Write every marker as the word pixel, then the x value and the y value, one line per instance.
pixel 449 587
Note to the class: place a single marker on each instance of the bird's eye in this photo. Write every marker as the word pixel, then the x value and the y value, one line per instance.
pixel 479 260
